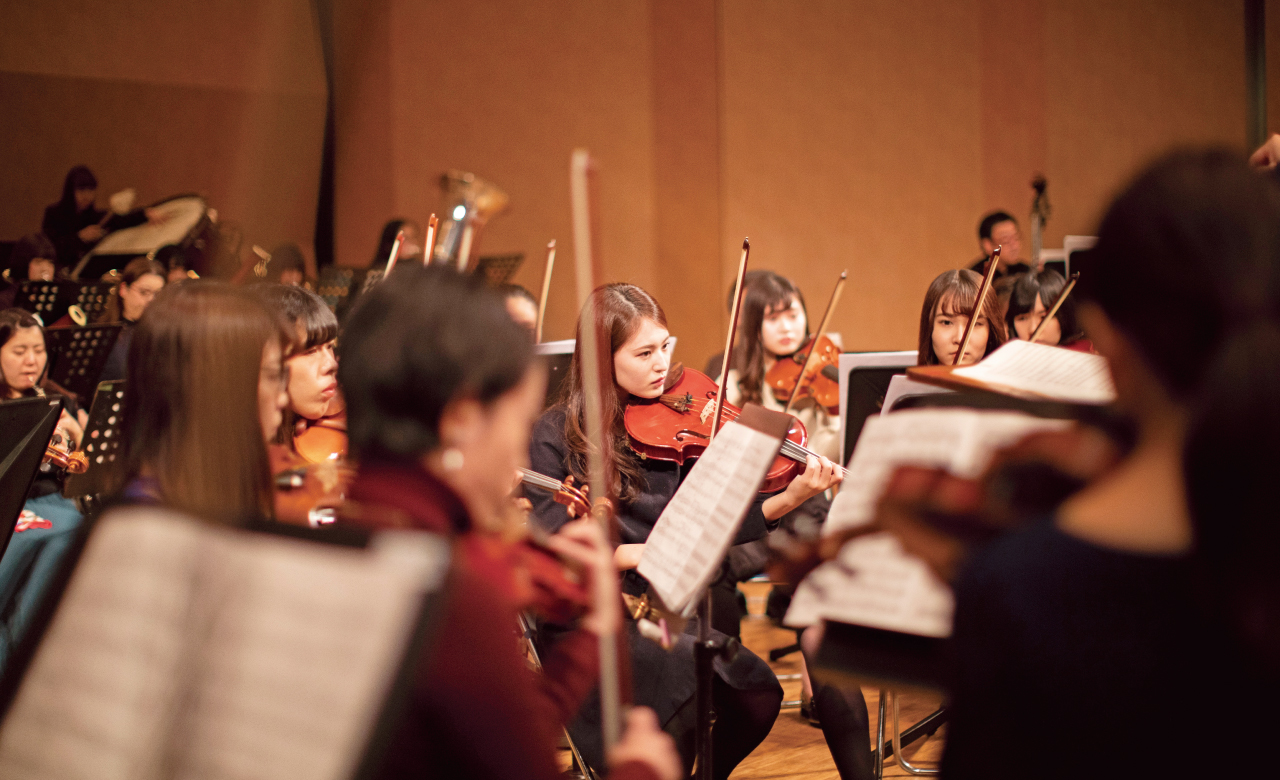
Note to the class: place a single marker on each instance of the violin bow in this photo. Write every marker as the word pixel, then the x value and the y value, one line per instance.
pixel 813 344
pixel 546 289
pixel 395 254
pixel 992 265
pixel 1062 296
pixel 728 342
pixel 594 351
pixel 430 248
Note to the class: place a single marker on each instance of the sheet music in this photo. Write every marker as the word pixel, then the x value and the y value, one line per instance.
pixel 690 539
pixel 184 650
pixel 873 582
pixel 1051 372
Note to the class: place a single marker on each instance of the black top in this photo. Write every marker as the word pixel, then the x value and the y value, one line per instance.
pixel 1073 660
pixel 62 225
pixel 118 359
pixel 549 455
pixel 1012 269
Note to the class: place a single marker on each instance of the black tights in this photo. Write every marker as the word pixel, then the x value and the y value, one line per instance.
pixel 743 720
pixel 842 713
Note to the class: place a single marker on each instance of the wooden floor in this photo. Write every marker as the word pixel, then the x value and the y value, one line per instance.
pixel 795 749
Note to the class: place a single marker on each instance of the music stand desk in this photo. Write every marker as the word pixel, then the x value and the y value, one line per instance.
pixel 856 361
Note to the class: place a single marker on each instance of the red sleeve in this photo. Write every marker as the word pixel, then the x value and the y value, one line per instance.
pixel 570 671
pixel 633 770
pixel 476 710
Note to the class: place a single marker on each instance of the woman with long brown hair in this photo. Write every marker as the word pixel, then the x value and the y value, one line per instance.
pixel 945 314
pixel 746 692
pixel 205 391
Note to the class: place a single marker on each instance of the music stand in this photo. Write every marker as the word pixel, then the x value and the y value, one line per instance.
pixel 26 425
pixel 78 355
pixel 498 269
pixel 101 445
pixel 556 355
pixel 335 285
pixel 864 380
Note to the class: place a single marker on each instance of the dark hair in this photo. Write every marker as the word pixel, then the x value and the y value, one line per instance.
pixel 989 222
pixel 286 257
pixel 957 291
pixel 11 320
pixel 410 348
pixel 1198 233
pixel 516 291
pixel 387 239
pixel 190 418
pixel 619 310
pixel 135 270
pixel 300 306
pixel 78 178
pixel 26 249
pixel 171 257
pixel 762 290
pixel 1046 285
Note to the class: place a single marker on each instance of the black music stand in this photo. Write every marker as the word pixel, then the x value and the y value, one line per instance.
pixel 335 285
pixel 51 300
pixel 557 356
pixel 101 445
pixel 498 269
pixel 26 425
pixel 78 355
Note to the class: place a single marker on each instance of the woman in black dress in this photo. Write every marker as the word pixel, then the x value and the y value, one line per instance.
pixel 75 224
pixel 747 694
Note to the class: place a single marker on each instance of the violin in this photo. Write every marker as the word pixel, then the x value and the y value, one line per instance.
pixel 677 426
pixel 822 381
pixel 814 372
pixel 323 439
pixel 60 455
pixel 312 477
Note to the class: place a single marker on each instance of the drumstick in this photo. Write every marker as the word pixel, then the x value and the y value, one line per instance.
pixel 546 289
pixel 432 223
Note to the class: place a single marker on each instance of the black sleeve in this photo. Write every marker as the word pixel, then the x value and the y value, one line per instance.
pixel 122 221
pixel 63 235
pixel 549 456
pixel 754 526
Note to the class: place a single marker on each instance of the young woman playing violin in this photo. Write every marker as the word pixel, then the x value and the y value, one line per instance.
pixel 945 314
pixel 775 325
pixel 746 692
pixel 438 432
pixel 314 431
pixel 1032 295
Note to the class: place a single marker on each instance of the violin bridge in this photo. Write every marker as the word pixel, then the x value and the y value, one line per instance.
pixel 707 410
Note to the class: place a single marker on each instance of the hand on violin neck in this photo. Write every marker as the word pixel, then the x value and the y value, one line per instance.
pixel 581 543
pixel 819 474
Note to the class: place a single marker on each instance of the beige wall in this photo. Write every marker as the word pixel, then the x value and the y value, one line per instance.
pixel 225 99
pixel 860 134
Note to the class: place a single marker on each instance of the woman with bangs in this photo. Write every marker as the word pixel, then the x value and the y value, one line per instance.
pixel 945 315
pixel 775 325
pixel 312 363
pixel 1029 302
pixel 746 692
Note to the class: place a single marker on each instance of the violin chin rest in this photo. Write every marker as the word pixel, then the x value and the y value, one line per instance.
pixel 674 374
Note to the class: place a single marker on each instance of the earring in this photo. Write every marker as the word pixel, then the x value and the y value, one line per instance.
pixel 451 459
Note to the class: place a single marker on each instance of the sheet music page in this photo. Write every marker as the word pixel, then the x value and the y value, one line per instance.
pixel 180 649
pixel 690 539
pixel 1051 372
pixel 873 582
